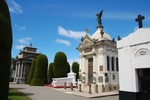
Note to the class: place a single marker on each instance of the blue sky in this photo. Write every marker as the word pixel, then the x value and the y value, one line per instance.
pixel 58 25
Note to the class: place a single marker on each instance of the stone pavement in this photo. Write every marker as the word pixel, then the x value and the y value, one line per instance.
pixel 49 93
pixel 86 94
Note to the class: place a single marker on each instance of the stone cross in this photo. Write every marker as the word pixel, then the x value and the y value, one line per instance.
pixel 139 20
pixel 102 33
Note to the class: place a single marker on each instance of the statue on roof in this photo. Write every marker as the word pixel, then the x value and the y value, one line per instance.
pixel 99 15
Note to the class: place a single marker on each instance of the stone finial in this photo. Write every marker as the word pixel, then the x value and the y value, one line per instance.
pixel 86 30
pixel 119 38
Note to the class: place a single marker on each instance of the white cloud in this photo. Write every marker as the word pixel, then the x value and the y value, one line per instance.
pixel 67 43
pixel 69 33
pixel 25 40
pixel 22 28
pixel 19 47
pixel 14 7
pixel 73 60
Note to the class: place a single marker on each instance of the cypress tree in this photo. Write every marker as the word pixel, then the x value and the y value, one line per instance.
pixel 31 72
pixel 50 73
pixel 68 68
pixel 5 49
pixel 75 69
pixel 60 65
pixel 40 74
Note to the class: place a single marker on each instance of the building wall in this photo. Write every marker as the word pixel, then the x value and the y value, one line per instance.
pixel 131 58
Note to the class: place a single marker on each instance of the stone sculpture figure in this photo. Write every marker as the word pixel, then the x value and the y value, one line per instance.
pixel 99 16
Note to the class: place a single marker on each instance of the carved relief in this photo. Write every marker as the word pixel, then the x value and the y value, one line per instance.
pixel 100 79
pixel 142 52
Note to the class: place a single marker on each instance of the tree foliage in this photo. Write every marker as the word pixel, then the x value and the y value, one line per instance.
pixel 5 49
pixel 68 67
pixel 50 72
pixel 40 74
pixel 31 72
pixel 60 65
pixel 75 69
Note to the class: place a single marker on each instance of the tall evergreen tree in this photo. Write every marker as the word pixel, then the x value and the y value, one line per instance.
pixel 40 74
pixel 50 73
pixel 68 67
pixel 31 72
pixel 5 49
pixel 60 65
pixel 75 69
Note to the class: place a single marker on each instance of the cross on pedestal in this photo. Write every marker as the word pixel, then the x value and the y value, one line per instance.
pixel 102 33
pixel 139 20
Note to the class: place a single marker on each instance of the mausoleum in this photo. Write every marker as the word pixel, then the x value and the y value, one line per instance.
pixel 23 63
pixel 98 60
pixel 134 64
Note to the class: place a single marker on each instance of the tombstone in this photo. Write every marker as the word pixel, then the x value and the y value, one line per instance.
pixel 134 65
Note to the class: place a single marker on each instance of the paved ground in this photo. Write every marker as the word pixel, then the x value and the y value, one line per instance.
pixel 48 93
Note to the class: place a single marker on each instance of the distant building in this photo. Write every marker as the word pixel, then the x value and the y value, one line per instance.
pixel 99 61
pixel 23 63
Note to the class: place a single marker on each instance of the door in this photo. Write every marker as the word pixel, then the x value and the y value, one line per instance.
pixel 144 83
pixel 90 70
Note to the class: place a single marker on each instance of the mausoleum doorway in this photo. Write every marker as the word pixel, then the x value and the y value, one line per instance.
pixel 90 70
pixel 144 83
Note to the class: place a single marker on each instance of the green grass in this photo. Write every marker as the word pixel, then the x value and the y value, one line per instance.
pixel 17 95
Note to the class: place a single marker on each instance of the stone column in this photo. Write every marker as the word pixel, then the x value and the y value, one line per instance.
pixel 19 70
pixel 83 67
pixel 15 73
pixel 94 63
pixel 81 62
pixel 22 70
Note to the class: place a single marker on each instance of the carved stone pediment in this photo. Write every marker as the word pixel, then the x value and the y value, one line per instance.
pixel 86 43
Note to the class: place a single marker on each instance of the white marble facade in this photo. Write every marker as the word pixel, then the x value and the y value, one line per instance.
pixel 134 63
pixel 98 61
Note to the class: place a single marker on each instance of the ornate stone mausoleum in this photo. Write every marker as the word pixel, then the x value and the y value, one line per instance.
pixel 98 60
pixel 23 63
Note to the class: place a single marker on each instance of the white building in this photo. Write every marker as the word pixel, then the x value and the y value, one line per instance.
pixel 134 65
pixel 98 61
